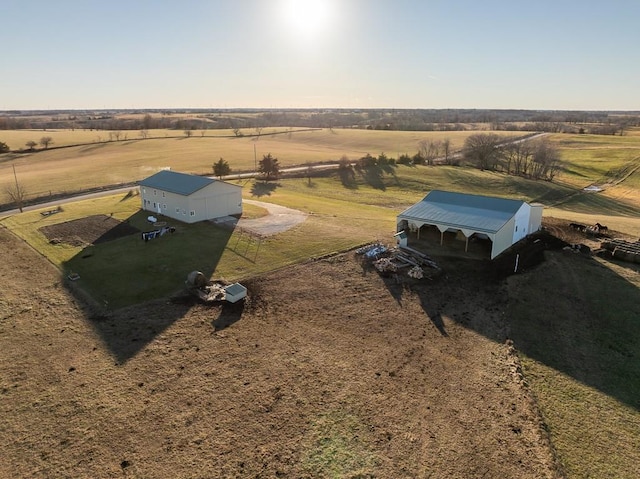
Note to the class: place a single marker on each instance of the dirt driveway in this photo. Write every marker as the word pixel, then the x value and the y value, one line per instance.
pixel 279 219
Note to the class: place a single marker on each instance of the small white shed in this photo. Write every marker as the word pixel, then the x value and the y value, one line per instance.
pixel 501 220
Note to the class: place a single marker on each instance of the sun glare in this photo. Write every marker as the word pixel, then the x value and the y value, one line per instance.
pixel 307 18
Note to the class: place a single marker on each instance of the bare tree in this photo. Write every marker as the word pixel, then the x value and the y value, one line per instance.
pixel 546 160
pixel 16 192
pixel 45 141
pixel 144 134
pixel 31 145
pixel 446 150
pixel 188 132
pixel 483 150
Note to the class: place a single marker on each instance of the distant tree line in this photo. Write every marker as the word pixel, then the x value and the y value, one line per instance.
pixel 374 119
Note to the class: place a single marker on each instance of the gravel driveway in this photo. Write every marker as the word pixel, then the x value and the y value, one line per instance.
pixel 279 219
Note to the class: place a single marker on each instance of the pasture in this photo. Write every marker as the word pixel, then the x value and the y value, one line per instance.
pixel 578 362
pixel 98 164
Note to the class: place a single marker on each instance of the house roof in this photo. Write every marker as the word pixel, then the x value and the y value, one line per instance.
pixel 464 211
pixel 174 182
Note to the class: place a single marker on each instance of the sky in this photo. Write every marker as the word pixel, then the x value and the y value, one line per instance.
pixel 136 54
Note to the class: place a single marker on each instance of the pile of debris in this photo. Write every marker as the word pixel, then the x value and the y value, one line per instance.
pixel 397 260
pixel 206 290
pixel 213 291
pixel 623 250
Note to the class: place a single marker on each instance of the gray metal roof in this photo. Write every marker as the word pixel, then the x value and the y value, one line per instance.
pixel 174 182
pixel 463 211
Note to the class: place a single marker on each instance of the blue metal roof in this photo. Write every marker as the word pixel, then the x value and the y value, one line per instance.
pixel 463 211
pixel 174 182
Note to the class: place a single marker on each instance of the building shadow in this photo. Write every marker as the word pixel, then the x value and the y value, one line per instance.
pixel 230 313
pixel 560 307
pixel 125 280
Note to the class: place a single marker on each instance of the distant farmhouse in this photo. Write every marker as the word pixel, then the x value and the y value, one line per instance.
pixel 189 198
pixel 502 221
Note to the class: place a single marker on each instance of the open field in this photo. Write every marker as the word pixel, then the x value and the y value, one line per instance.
pixel 111 163
pixel 328 370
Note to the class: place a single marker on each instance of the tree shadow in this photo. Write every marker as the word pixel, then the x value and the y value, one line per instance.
pixel 263 188
pixel 348 177
pixel 112 274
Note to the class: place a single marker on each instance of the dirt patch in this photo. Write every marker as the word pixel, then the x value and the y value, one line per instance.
pixel 90 230
pixel 327 370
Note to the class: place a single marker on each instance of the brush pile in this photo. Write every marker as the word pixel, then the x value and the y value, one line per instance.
pixel 413 263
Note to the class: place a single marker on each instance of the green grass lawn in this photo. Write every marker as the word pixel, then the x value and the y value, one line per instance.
pixel 581 360
pixel 341 216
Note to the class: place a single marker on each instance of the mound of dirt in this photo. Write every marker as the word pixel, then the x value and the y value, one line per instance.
pixel 94 229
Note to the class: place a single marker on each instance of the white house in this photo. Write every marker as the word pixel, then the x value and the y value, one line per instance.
pixel 503 221
pixel 189 198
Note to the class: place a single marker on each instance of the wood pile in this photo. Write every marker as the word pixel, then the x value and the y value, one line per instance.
pixel 623 250
pixel 391 261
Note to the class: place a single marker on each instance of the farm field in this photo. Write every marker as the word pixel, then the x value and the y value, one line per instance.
pixel 112 163
pixel 289 366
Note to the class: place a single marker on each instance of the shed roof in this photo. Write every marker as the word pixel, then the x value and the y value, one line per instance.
pixel 174 182
pixel 461 210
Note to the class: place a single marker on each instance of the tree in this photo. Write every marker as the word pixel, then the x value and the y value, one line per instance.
pixel 188 132
pixel 45 141
pixel 31 144
pixel 483 150
pixel 144 134
pixel 546 160
pixel 446 150
pixel 16 192
pixel 4 148
pixel 221 168
pixel 269 167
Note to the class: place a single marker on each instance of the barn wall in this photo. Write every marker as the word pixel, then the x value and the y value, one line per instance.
pixel 521 225
pixel 215 200
pixel 503 238
pixel 535 218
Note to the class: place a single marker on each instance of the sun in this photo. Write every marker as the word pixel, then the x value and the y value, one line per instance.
pixel 307 18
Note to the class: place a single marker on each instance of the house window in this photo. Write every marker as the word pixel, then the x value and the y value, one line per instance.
pixel 178 210
pixel 154 204
pixel 164 207
pixel 192 213
pixel 155 192
pixel 184 212
pixel 516 227
pixel 163 194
